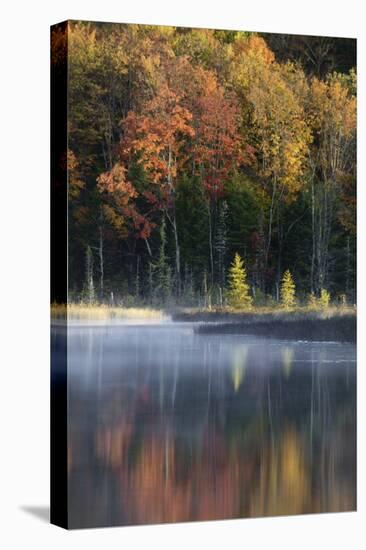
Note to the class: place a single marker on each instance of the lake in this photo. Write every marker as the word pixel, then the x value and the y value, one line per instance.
pixel 166 425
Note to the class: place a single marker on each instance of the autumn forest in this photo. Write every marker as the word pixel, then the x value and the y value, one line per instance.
pixel 188 148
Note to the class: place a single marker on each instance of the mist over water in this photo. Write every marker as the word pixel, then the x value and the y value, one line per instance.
pixel 168 425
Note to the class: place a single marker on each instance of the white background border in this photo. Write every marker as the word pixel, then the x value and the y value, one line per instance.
pixel 24 271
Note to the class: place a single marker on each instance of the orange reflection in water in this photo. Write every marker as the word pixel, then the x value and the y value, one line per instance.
pixel 156 445
pixel 221 480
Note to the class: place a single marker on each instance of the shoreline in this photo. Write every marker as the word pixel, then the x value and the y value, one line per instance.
pixel 332 325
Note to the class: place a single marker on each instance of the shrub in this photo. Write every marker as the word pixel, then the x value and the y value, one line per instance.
pixel 259 299
pixel 324 298
pixel 312 301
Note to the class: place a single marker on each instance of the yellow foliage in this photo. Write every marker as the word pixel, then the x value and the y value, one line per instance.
pixel 288 299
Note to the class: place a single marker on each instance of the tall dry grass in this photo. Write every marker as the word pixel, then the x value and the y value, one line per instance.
pixel 101 312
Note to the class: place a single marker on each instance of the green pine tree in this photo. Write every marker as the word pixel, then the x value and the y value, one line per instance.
pixel 238 292
pixel 162 271
pixel 288 290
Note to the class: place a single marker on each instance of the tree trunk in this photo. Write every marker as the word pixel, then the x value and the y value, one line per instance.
pixel 270 222
pixel 313 237
pixel 101 258
pixel 210 242
pixel 177 254
pixel 279 255
pixel 348 265
pixel 173 222
pixel 137 282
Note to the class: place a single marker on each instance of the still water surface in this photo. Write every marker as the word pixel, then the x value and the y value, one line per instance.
pixel 167 425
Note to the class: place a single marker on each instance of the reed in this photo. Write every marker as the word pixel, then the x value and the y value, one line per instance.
pixel 100 312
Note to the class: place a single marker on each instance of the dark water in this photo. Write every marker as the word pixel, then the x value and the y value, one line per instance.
pixel 166 425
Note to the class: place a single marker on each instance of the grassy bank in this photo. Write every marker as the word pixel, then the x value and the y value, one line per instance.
pixel 261 314
pixel 101 312
pixel 303 324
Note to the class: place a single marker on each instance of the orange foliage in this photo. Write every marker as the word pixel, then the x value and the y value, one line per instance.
pixel 76 184
pixel 157 136
pixel 219 147
pixel 59 37
pixel 122 193
pixel 254 48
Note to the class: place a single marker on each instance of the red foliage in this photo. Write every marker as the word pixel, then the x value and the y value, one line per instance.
pixel 219 147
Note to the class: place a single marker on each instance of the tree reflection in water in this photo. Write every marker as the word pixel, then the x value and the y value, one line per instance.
pixel 166 425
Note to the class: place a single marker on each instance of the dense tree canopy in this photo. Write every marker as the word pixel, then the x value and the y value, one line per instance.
pixel 189 146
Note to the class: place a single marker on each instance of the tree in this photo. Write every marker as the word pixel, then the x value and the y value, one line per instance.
pixel 220 243
pixel 238 292
pixel 161 270
pixel 219 147
pixel 273 112
pixel 111 71
pixel 318 55
pixel 282 138
pixel 120 208
pixel 288 290
pixel 156 138
pixel 332 116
